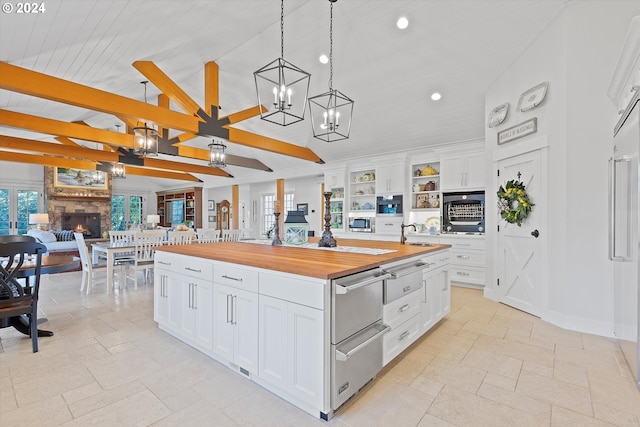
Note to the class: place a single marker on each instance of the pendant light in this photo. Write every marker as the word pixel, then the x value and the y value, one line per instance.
pixel 281 87
pixel 331 111
pixel 216 154
pixel 145 137
pixel 118 170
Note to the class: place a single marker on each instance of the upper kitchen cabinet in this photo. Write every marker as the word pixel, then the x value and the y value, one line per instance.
pixel 390 178
pixel 463 172
pixel 334 179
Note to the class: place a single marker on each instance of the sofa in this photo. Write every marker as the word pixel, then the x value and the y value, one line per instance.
pixel 55 241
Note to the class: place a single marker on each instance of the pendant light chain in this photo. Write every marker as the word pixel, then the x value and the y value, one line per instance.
pixel 282 29
pixel 331 48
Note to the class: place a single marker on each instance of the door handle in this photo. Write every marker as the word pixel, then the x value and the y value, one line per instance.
pixel 535 233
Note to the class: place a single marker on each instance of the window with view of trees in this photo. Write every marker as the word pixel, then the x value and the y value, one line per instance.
pixel 268 202
pixel 126 210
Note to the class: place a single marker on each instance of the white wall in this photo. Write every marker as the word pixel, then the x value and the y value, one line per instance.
pixel 576 54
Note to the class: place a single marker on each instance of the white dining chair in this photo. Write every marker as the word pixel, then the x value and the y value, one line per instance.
pixel 146 244
pixel 88 268
pixel 230 235
pixel 180 237
pixel 208 235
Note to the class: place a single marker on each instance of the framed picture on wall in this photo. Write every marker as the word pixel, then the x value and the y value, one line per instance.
pixel 80 179
pixel 304 207
pixel 212 205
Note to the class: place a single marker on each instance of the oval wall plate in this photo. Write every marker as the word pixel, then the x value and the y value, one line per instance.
pixel 533 97
pixel 498 115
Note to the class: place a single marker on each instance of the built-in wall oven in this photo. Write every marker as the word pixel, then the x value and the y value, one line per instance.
pixel 356 332
pixel 463 212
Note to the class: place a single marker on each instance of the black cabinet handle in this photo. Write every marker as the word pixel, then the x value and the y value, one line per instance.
pixel 535 233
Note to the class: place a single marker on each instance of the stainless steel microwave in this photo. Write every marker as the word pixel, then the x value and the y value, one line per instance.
pixel 362 225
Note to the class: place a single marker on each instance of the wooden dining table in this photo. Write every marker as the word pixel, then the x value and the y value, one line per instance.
pixel 50 264
pixel 111 250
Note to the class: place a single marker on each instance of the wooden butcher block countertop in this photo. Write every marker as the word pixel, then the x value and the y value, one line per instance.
pixel 318 263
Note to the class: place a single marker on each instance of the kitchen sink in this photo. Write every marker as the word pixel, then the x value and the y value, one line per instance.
pixel 419 244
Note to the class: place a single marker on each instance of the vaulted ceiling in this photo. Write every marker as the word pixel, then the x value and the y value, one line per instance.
pixel 457 48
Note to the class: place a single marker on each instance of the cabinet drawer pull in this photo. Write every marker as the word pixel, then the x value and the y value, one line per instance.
pixel 232 278
pixel 406 288
pixel 463 256
pixel 403 308
pixel 229 298
pixel 164 263
pixel 403 335
pixel 193 269
pixel 462 273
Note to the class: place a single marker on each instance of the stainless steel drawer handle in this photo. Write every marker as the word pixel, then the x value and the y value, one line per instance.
pixel 343 357
pixel 462 273
pixel 406 288
pixel 403 335
pixel 164 263
pixel 341 290
pixel 463 256
pixel 224 276
pixel 193 269
pixel 403 308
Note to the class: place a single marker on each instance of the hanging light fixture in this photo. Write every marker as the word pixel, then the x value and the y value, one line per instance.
pixel 117 169
pixel 331 111
pixel 216 154
pixel 282 88
pixel 145 137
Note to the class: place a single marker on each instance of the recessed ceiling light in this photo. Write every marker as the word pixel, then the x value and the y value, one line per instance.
pixel 402 23
pixel 436 96
pixel 323 59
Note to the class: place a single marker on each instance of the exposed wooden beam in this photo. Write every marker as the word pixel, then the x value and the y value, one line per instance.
pixel 269 144
pixel 244 115
pixel 32 83
pixel 202 154
pixel 9 156
pixel 154 173
pixel 167 86
pixel 58 128
pixel 77 152
pixel 184 167
pixel 211 92
pixel 235 205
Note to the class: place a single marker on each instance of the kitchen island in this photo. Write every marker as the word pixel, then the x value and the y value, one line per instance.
pixel 267 311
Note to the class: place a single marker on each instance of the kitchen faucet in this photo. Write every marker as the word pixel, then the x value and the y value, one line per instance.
pixel 402 227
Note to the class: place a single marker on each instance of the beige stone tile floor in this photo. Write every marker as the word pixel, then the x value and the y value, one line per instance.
pixel 485 364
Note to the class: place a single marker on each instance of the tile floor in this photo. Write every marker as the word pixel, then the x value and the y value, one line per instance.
pixel 485 364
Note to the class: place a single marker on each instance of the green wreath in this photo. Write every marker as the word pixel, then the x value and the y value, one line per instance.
pixel 513 202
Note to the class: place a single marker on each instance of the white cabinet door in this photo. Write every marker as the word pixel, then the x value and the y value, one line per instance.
pixel 475 170
pixel 235 326
pixel 463 172
pixel 222 321
pixel 291 349
pixel 305 351
pixel 272 342
pixel 427 319
pixel 245 317
pixel 390 179
pixel 442 292
pixel 196 317
pixel 161 296
pixel 452 171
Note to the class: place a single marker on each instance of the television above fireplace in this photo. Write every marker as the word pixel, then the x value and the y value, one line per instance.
pixel 82 222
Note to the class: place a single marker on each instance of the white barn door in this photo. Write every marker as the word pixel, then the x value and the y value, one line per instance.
pixel 520 267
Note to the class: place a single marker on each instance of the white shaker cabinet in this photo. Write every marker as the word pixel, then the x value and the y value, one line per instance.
pixel 167 297
pixel 463 172
pixel 197 311
pixel 390 178
pixel 235 322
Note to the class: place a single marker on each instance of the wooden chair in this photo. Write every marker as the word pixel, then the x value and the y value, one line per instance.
pixel 230 235
pixel 180 237
pixel 17 299
pixel 11 238
pixel 208 235
pixel 88 268
pixel 162 234
pixel 146 244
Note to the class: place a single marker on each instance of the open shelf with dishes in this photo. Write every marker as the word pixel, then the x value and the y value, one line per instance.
pixel 362 194
pixel 336 208
pixel 425 186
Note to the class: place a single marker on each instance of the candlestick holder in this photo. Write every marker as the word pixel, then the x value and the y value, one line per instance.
pixel 276 230
pixel 327 240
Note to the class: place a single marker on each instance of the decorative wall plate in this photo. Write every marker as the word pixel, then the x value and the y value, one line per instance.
pixel 533 97
pixel 498 114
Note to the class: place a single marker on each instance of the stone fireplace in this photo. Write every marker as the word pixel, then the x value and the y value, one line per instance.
pixel 85 223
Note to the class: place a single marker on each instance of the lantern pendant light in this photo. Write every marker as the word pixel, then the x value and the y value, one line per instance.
pixel 331 111
pixel 216 154
pixel 145 137
pixel 281 87
pixel 118 169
